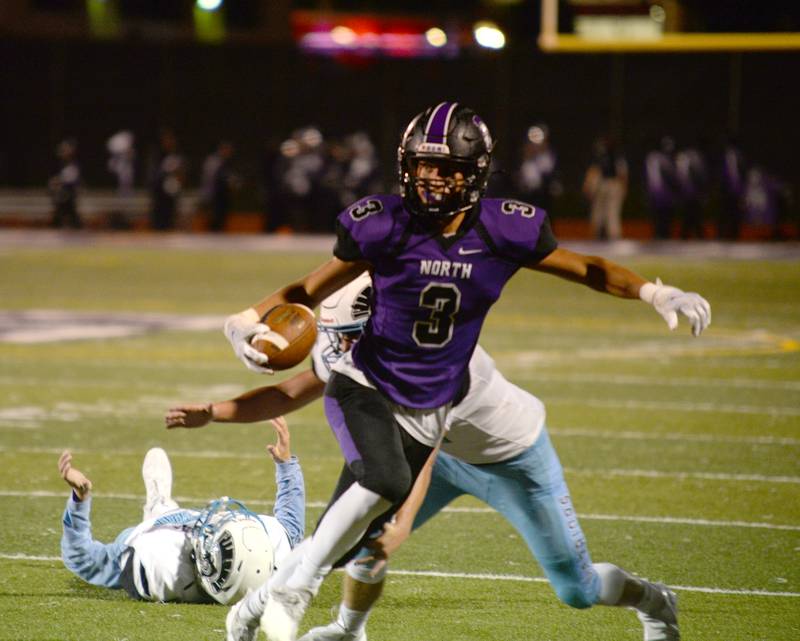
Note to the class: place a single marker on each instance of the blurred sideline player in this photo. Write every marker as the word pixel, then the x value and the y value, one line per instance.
pixel 440 255
pixel 496 448
pixel 185 555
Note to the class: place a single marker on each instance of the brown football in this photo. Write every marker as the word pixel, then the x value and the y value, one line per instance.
pixel 293 330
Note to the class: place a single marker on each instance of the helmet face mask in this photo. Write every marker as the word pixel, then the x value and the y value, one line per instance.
pixel 454 140
pixel 231 549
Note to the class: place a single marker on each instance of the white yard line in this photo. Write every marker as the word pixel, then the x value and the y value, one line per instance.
pixel 479 577
pixel 658 381
pixel 603 379
pixel 587 432
pixel 713 476
pixel 197 501
pixel 675 406
pixel 537 579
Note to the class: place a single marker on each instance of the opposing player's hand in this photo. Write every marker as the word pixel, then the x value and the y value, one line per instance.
pixel 73 476
pixel 280 452
pixel 669 301
pixel 385 545
pixel 188 416
pixel 240 329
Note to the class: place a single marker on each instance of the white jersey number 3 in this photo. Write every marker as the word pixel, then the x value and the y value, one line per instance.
pixel 444 300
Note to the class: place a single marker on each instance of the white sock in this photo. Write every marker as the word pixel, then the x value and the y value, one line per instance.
pixel 253 606
pixel 351 620
pixel 612 583
pixel 340 529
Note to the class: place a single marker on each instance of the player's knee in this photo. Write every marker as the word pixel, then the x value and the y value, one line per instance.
pixel 393 485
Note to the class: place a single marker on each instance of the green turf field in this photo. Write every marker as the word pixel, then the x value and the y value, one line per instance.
pixel 682 454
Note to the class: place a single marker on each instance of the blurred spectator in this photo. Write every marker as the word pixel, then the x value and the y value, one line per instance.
pixel 167 176
pixel 536 180
pixel 274 212
pixel 301 166
pixel 662 186
pixel 734 172
pixel 692 173
pixel 362 171
pixel 122 156
pixel 605 186
pixel 63 186
pixel 764 197
pixel 219 183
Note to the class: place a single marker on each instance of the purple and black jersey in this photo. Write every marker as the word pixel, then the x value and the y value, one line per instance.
pixel 431 293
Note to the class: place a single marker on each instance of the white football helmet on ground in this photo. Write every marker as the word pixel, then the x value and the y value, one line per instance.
pixel 343 315
pixel 232 550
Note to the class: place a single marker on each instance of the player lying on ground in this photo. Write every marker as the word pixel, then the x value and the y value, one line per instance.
pixel 496 449
pixel 440 255
pixel 182 554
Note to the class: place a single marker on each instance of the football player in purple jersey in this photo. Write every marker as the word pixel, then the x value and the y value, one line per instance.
pixel 439 254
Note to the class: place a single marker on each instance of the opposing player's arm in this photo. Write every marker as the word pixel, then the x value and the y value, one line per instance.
pixel 260 404
pixel 606 276
pixel 399 528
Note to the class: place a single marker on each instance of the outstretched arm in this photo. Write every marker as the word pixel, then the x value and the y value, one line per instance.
pixel 77 480
pixel 255 405
pixel 290 499
pixel 94 562
pixel 606 276
pixel 593 271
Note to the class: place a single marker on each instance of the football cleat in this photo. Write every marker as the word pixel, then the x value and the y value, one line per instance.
pixel 284 610
pixel 662 624
pixel 237 628
pixel 157 476
pixel 333 632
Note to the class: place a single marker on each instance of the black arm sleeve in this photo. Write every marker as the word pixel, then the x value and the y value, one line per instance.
pixel 546 244
pixel 346 248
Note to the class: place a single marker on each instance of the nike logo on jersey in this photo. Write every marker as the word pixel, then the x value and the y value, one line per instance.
pixel 466 252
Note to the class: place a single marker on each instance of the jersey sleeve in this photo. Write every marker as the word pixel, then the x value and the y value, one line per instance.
pixel 364 230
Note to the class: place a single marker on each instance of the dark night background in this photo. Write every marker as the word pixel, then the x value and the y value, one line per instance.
pixel 255 90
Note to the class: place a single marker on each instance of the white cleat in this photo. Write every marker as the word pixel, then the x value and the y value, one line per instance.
pixel 662 625
pixel 333 632
pixel 157 476
pixel 284 611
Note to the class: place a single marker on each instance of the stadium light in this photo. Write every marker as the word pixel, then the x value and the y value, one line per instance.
pixel 343 36
pixel 489 35
pixel 209 5
pixel 436 37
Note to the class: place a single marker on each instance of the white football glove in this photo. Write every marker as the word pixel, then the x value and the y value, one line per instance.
pixel 668 301
pixel 239 330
